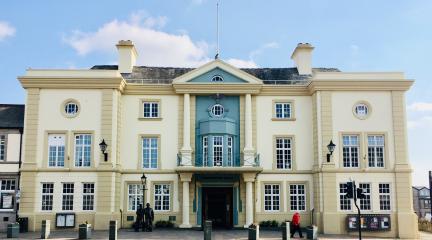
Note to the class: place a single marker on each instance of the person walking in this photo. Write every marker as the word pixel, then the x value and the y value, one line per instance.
pixel 295 225
pixel 149 217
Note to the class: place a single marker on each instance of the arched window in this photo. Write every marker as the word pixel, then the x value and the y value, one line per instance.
pixel 217 78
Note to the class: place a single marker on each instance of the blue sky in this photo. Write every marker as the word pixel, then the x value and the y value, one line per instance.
pixel 387 35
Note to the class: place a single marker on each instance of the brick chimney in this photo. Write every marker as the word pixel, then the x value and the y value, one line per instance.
pixel 127 56
pixel 302 57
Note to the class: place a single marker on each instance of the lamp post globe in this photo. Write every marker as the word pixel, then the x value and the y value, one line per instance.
pixel 331 146
pixel 103 146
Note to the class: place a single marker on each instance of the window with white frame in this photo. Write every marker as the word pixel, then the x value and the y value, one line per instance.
pixel 283 153
pixel 8 185
pixel 150 152
pixel 205 151
pixel 56 150
pixel 282 110
pixel 217 150
pixel 83 146
pixel 150 109
pixel 365 203
pixel 376 150
pixel 217 110
pixel 426 203
pixel 88 196
pixel 217 78
pixel 271 197
pixel 361 110
pixel 71 108
pixel 350 150
pixel 47 196
pixel 384 196
pixel 135 193
pixel 67 197
pixel 7 193
pixel 297 197
pixel 344 201
pixel 162 197
pixel 2 147
pixel 230 151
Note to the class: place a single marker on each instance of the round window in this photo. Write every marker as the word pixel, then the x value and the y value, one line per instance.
pixel 71 108
pixel 217 78
pixel 361 110
pixel 217 110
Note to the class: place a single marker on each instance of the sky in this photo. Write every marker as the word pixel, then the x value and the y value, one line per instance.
pixel 367 35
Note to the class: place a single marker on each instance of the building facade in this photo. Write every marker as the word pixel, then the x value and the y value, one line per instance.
pixel 421 201
pixel 11 130
pixel 216 142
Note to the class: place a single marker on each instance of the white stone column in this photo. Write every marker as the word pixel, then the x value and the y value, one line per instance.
pixel 248 151
pixel 249 204
pixel 186 179
pixel 186 151
pixel 249 179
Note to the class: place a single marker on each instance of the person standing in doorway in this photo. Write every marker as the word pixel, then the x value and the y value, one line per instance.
pixel 295 225
pixel 149 217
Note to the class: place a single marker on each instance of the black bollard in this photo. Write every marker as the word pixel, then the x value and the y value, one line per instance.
pixel 113 230
pixel 207 230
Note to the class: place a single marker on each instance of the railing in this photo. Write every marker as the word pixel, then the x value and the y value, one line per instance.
pixel 267 82
pixel 253 161
pixel 287 82
pixel 149 81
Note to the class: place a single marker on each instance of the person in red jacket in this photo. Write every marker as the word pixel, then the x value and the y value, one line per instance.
pixel 295 225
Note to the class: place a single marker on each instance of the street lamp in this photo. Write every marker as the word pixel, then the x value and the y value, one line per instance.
pixel 103 147
pixel 144 184
pixel 331 148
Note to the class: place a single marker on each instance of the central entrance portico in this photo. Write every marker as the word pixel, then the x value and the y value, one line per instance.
pixel 223 195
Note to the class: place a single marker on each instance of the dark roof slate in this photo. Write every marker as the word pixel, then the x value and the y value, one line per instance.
pixel 268 75
pixel 11 116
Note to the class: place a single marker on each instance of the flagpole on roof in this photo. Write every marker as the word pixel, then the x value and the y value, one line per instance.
pixel 217 30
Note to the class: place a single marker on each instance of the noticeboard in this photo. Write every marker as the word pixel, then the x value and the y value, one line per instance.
pixel 369 222
pixel 65 220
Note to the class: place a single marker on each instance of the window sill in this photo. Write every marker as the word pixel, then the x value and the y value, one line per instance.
pixel 283 119
pixel 150 119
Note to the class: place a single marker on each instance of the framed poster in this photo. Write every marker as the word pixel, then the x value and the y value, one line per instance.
pixel 7 201
pixel 65 220
pixel 61 220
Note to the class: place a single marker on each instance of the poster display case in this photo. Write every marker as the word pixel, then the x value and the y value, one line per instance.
pixel 369 222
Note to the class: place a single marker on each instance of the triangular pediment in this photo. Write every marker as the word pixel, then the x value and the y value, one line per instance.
pixel 205 73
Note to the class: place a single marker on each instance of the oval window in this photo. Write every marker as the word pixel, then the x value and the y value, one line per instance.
pixel 217 110
pixel 361 110
pixel 71 109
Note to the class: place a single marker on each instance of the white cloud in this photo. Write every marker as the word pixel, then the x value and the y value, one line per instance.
pixel 242 63
pixel 261 49
pixel 423 122
pixel 6 30
pixel 157 48
pixel 420 107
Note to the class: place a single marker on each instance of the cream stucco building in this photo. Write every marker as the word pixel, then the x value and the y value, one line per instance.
pixel 216 142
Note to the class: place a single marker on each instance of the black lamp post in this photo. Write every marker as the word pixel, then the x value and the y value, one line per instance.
pixel 331 148
pixel 144 184
pixel 103 147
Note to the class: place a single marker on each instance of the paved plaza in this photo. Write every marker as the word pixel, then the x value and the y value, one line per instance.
pixel 179 234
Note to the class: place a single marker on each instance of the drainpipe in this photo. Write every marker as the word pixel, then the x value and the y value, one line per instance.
pixel 19 168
